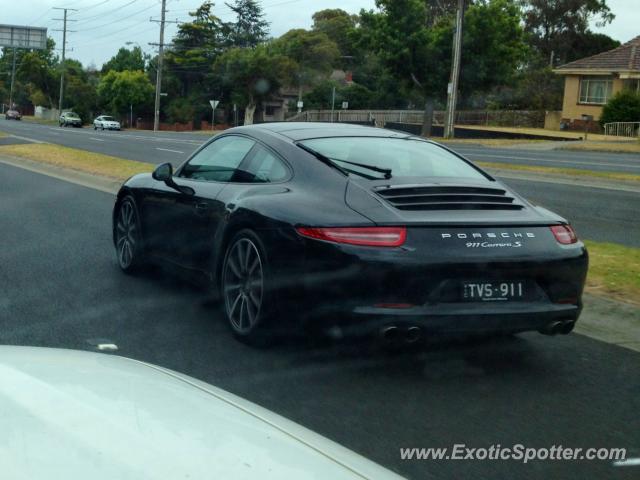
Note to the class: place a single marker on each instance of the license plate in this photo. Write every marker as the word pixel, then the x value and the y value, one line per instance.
pixel 493 291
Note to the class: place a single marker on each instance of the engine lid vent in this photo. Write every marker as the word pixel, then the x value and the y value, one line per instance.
pixel 442 197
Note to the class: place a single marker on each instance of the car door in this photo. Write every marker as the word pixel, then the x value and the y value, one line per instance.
pixel 182 225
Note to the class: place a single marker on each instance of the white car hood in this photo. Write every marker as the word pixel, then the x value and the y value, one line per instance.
pixel 78 415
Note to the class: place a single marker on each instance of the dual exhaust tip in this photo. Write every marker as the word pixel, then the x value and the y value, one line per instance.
pixel 395 334
pixel 556 327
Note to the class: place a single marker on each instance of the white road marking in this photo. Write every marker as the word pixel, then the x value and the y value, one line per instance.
pixel 169 150
pixel 96 139
pixel 107 347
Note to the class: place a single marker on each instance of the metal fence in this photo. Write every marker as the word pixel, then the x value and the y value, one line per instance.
pixel 502 118
pixel 622 129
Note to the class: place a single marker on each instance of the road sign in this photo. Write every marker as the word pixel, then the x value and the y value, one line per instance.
pixel 345 105
pixel 300 104
pixel 13 36
pixel 214 103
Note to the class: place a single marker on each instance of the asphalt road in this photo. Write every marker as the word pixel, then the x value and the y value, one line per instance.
pixel 61 288
pixel 176 147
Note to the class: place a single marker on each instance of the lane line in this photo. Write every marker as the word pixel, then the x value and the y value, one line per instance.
pixel 96 139
pixel 168 150
pixel 573 162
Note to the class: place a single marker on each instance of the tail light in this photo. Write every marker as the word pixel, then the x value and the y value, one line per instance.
pixel 564 234
pixel 367 236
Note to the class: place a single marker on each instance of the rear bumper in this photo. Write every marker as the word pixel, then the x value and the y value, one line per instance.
pixel 362 289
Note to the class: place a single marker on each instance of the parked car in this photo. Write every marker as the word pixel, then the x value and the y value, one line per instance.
pixel 359 229
pixel 73 414
pixel 70 118
pixel 106 122
pixel 12 115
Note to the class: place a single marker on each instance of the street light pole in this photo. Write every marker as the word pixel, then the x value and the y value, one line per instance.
pixel 333 101
pixel 452 88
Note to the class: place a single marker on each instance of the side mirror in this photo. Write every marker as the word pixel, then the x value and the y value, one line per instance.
pixel 164 173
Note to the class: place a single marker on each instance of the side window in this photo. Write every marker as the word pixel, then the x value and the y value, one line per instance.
pixel 218 161
pixel 264 167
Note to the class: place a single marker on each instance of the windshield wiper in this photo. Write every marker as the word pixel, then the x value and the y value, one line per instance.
pixel 330 161
pixel 386 171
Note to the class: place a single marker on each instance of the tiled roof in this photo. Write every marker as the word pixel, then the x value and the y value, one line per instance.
pixel 625 57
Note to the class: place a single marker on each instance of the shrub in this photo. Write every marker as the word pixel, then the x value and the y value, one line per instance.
pixel 624 106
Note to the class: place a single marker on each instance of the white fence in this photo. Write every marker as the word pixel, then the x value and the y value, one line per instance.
pixel 380 117
pixel 622 129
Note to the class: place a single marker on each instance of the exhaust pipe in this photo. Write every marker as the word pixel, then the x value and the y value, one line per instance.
pixel 552 328
pixel 389 333
pixel 413 334
pixel 567 327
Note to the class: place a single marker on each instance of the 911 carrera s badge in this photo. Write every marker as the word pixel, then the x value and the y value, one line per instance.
pixel 490 239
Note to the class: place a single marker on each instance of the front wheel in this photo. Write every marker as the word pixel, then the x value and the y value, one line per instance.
pixel 128 239
pixel 244 287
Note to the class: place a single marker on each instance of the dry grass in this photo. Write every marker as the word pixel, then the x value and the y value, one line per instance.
pixel 614 147
pixel 31 118
pixel 572 172
pixel 614 271
pixel 79 160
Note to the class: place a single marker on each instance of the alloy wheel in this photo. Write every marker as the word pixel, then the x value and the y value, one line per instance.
pixel 243 285
pixel 126 235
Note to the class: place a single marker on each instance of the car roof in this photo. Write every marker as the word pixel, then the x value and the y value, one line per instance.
pixel 306 130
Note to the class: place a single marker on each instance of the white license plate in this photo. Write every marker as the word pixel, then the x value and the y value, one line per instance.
pixel 492 291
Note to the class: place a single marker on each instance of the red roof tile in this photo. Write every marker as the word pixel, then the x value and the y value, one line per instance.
pixel 625 57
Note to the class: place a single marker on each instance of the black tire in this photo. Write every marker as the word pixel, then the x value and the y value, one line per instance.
pixel 102 127
pixel 94 127
pixel 128 236
pixel 244 289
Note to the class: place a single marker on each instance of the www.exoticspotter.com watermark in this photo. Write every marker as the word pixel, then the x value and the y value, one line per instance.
pixel 518 452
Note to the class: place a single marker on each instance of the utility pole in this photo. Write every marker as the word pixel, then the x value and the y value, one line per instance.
pixel 64 46
pixel 452 88
pixel 333 101
pixel 156 108
pixel 13 78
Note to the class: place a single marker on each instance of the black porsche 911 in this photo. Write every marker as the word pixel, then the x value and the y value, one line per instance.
pixel 355 230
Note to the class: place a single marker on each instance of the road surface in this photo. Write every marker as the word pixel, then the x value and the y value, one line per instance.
pixel 62 288
pixel 171 147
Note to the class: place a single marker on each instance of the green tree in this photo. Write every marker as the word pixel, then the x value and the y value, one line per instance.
pixel 126 59
pixel 313 53
pixel 250 27
pixel 556 26
pixel 338 26
pixel 253 75
pixel 624 106
pixel 117 91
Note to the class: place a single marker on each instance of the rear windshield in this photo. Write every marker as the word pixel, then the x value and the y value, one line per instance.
pixel 108 119
pixel 404 157
pixel 71 115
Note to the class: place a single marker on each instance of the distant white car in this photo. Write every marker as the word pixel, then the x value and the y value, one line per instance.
pixel 106 122
pixel 80 415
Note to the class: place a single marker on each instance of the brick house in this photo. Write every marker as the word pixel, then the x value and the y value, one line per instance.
pixel 590 82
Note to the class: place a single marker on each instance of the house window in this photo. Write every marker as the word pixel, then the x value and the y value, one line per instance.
pixel 595 90
pixel 633 85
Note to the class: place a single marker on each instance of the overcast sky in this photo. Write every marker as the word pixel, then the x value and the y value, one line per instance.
pixel 103 26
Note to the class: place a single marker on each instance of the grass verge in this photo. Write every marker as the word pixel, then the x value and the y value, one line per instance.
pixel 613 147
pixel 572 172
pixel 537 131
pixel 2 134
pixel 614 271
pixel 78 160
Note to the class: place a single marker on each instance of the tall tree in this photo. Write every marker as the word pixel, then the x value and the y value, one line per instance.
pixel 250 27
pixel 314 55
pixel 338 25
pixel 126 60
pixel 118 91
pixel 556 25
pixel 253 75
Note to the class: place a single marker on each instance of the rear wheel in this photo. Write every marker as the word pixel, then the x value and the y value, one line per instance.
pixel 244 288
pixel 128 237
